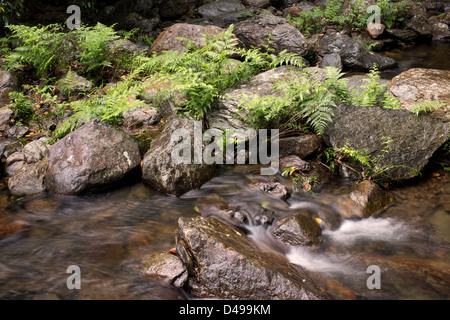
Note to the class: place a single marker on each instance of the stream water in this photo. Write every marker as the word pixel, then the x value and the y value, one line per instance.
pixel 107 235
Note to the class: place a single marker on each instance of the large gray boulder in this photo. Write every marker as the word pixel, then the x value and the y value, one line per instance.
pixel 226 264
pixel 415 139
pixel 159 169
pixel 93 157
pixel 353 54
pixel 256 31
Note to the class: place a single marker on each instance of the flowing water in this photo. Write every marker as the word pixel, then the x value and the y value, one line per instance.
pixel 107 234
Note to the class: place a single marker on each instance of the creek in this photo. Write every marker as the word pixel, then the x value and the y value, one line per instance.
pixel 107 234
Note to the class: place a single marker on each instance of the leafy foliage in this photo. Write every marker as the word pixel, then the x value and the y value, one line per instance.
pixel 364 164
pixel 8 9
pixel 313 100
pixel 424 107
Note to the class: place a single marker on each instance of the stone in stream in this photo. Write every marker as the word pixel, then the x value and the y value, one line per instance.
pixel 420 85
pixel 36 150
pixel 414 139
pixel 91 158
pixel 354 55
pixel 364 200
pixel 228 265
pixel 9 225
pixel 301 229
pixel 160 171
pixel 14 162
pixel 294 161
pixel 166 266
pixel 274 189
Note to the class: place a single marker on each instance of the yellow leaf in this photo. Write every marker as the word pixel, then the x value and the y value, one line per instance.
pixel 319 221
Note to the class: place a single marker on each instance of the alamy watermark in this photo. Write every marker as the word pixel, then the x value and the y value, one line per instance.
pixel 223 144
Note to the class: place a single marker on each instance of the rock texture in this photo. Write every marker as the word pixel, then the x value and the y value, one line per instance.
pixel 92 157
pixel 415 139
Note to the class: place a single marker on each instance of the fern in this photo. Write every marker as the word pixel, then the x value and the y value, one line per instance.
pixel 424 107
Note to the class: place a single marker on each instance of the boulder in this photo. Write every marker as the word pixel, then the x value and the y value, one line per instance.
pixel 141 117
pixel 8 83
pixel 162 172
pixel 36 150
pixel 375 30
pixel 421 25
pixel 440 31
pixel 233 17
pixel 13 162
pixel 354 55
pixel 404 35
pixel 228 265
pixel 419 85
pixel 167 40
pixel 166 266
pixel 301 146
pixel 415 139
pixel 5 117
pixel 364 200
pixel 301 229
pixel 175 9
pixel 135 20
pixel 29 178
pixel 358 83
pixel 255 32
pixel 217 8
pixel 91 158
pixel 331 60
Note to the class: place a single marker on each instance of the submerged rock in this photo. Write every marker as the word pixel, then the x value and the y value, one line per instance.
pixel 161 172
pixel 414 139
pixel 354 55
pixel 228 265
pixel 91 158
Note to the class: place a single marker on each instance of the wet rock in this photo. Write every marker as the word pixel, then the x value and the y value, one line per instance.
pixel 13 162
pixel 36 150
pixel 228 265
pixel 404 35
pixel 72 83
pixel 91 158
pixel 353 54
pixel 161 172
pixel 8 83
pixel 421 25
pixel 273 189
pixel 255 31
pixel 217 207
pixel 301 146
pixel 331 60
pixel 29 178
pixel 364 200
pixel 141 117
pixel 167 40
pixel 218 8
pixel 167 266
pixel 415 139
pixel 419 85
pixel 301 229
pixel 294 161
pixel 262 216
